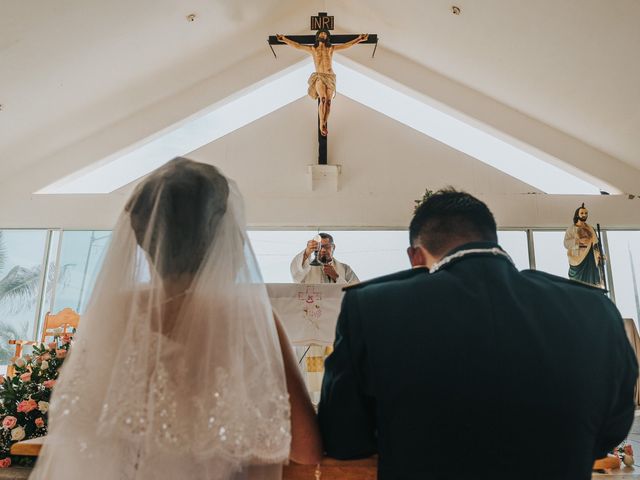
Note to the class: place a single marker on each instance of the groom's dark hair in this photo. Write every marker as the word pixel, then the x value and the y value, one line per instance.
pixel 175 213
pixel 450 218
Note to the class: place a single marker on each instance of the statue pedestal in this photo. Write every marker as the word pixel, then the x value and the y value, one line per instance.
pixel 324 178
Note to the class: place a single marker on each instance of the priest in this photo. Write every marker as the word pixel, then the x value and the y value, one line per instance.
pixel 331 270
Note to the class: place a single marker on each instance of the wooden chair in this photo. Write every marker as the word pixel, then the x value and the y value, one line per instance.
pixel 66 319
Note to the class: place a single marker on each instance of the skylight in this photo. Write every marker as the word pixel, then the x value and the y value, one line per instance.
pixel 354 81
pixel 222 118
pixel 383 96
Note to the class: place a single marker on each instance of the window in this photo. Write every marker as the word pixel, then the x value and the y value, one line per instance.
pixel 551 256
pixel 515 244
pixel 81 256
pixel 624 255
pixel 370 253
pixel 21 277
pixel 72 260
pixel 275 249
pixel 51 256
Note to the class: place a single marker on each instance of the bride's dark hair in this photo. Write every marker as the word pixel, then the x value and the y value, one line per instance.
pixel 174 214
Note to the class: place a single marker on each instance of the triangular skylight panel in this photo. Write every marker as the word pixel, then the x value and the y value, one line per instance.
pixel 356 82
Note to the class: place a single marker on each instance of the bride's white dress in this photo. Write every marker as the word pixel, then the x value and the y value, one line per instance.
pixel 160 385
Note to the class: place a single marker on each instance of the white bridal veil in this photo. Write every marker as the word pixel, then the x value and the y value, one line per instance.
pixel 176 370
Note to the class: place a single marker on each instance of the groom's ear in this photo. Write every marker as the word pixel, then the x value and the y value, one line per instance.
pixel 417 256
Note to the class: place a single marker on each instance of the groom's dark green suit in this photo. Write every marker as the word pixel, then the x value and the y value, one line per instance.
pixel 477 371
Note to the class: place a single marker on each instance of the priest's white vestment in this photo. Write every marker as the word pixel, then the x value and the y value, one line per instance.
pixel 305 273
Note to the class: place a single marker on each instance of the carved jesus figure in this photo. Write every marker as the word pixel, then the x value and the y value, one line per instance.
pixel 322 83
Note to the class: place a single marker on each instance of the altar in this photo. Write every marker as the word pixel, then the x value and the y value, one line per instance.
pixel 308 312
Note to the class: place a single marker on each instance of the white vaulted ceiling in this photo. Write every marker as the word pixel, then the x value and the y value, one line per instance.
pixel 83 81
pixel 570 64
pixel 74 67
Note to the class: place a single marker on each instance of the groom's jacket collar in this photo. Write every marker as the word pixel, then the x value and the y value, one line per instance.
pixel 471 250
pixel 473 246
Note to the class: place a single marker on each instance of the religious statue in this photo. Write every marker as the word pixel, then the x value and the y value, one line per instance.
pixel 322 82
pixel 583 250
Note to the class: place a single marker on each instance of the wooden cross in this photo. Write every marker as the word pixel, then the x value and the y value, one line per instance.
pixel 322 22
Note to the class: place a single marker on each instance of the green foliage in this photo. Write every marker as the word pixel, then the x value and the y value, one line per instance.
pixel 428 193
pixel 24 398
pixel 19 288
pixel 10 332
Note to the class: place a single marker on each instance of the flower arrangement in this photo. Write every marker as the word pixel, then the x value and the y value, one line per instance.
pixel 419 202
pixel 24 397
pixel 625 453
pixel 622 454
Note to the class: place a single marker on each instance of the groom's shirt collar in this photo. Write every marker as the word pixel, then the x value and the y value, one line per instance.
pixel 470 250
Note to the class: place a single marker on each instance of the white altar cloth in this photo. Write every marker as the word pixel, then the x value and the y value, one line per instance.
pixel 308 312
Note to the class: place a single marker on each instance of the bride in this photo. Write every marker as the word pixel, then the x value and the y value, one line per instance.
pixel 179 369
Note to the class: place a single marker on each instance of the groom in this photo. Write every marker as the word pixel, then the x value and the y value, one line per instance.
pixel 475 370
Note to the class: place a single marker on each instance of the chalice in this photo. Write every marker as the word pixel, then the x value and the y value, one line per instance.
pixel 315 262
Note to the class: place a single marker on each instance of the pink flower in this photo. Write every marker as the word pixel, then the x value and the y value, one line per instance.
pixel 39 422
pixel 66 338
pixel 46 356
pixel 52 345
pixel 27 358
pixel 27 406
pixel 9 422
pixel 26 377
pixel 61 353
pixel 5 462
pixel 49 383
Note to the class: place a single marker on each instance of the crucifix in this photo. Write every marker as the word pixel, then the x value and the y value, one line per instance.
pixel 322 82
